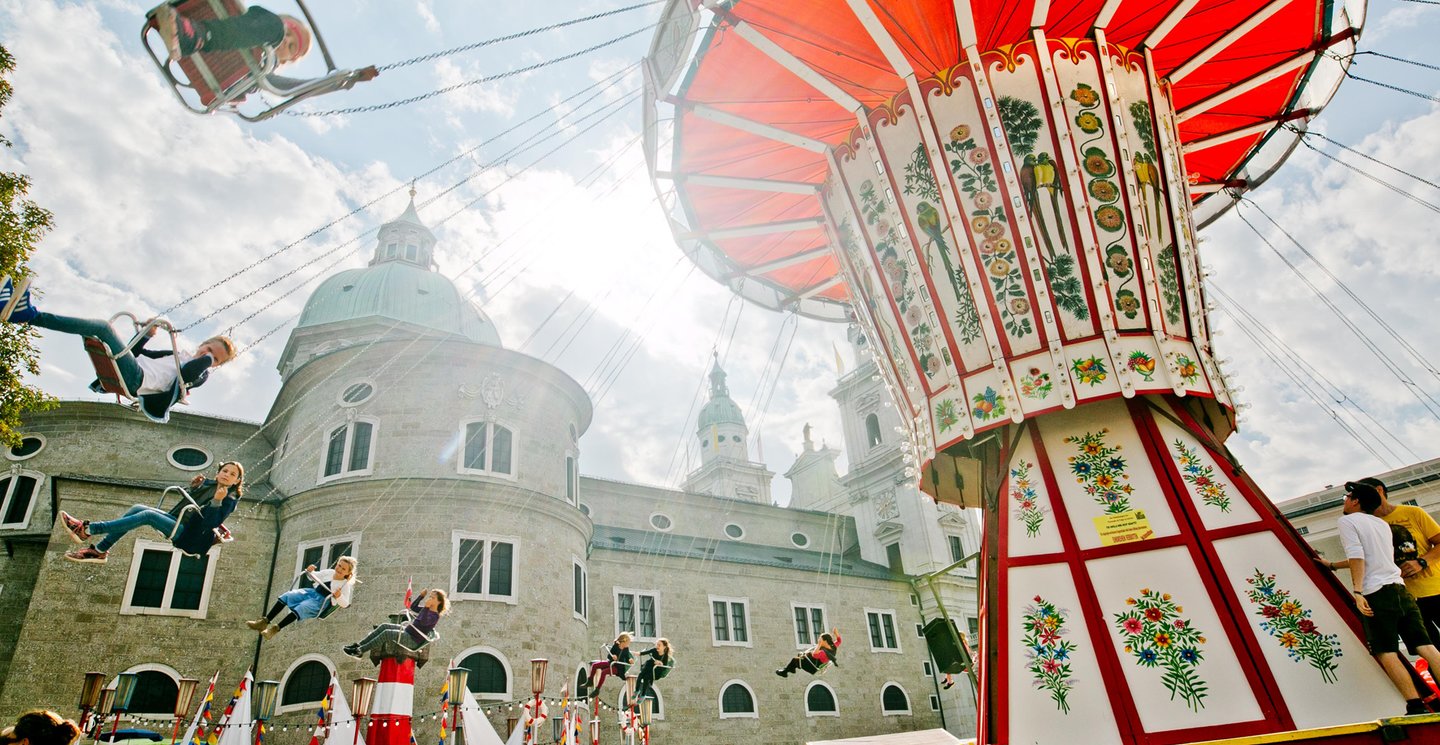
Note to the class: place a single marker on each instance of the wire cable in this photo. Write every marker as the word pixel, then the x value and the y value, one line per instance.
pixel 1363 154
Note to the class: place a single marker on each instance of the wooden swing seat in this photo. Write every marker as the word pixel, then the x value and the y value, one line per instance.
pixel 107 372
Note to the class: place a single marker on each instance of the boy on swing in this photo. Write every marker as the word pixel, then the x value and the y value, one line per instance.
pixel 151 376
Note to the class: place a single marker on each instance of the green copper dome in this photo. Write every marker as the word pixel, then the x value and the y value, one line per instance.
pixel 398 291
pixel 720 409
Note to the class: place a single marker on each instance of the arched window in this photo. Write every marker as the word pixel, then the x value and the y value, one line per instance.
pixel 657 709
pixel 872 430
pixel 582 682
pixel 18 490
pixel 893 699
pixel 155 693
pixel 305 683
pixel 737 701
pixel 489 675
pixel 820 701
pixel 488 448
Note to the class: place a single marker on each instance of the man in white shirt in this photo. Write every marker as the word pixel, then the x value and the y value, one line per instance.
pixel 1389 609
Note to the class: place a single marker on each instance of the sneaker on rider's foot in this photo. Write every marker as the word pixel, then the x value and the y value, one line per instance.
pixel 270 631
pixel 353 650
pixel 77 529
pixel 23 311
pixel 87 555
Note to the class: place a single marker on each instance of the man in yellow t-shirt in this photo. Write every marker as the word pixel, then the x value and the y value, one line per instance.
pixel 1415 559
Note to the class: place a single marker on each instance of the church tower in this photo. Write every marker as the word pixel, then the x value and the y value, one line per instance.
pixel 725 466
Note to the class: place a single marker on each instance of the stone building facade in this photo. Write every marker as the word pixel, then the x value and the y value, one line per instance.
pixel 405 435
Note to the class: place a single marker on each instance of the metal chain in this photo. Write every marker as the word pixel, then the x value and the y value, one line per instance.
pixel 1371 158
pixel 512 37
pixel 477 81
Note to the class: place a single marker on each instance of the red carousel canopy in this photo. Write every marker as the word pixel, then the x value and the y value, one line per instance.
pixel 771 85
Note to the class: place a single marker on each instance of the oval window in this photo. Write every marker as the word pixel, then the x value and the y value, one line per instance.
pixel 356 394
pixel 734 531
pixel 800 539
pixel 584 509
pixel 661 522
pixel 29 446
pixel 189 458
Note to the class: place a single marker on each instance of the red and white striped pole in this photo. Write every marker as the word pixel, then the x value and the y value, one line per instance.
pixel 394 702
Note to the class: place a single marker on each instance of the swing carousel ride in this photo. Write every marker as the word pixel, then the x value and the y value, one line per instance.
pixel 1003 196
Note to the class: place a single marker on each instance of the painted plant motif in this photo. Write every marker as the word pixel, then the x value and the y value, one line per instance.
pixel 920 182
pixel 1090 371
pixel 1143 364
pixel 888 247
pixel 971 164
pixel 1044 190
pixel 1102 470
pixel 945 415
pixel 988 405
pixel 1202 477
pixel 1288 622
pixel 850 241
pixel 1157 635
pixel 1036 384
pixel 1027 499
pixel 1104 189
pixel 1153 208
pixel 1049 651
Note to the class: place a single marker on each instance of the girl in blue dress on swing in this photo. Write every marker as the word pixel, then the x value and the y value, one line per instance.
pixel 308 602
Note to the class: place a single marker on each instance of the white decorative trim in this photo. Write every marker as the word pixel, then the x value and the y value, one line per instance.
pixel 8 494
pixel 754 702
pixel 280 706
pixel 504 663
pixel 154 667
pixel 615 606
pixel 345 469
pixel 11 456
pixel 490 540
pixel 665 529
pixel 824 618
pixel 141 546
pixel 492 422
pixel 894 626
pixel 799 544
pixel 329 543
pixel 170 456
pixel 738 526
pixel 894 712
pixel 833 697
pixel 729 611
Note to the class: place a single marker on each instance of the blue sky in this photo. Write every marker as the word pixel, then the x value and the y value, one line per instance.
pixel 153 204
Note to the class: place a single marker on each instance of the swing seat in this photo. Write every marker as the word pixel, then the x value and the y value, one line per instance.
pixel 206 82
pixel 107 372
pixel 191 511
pixel 327 608
pixel 402 646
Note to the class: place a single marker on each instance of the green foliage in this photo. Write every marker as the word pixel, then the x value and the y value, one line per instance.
pixel 919 179
pixel 22 224
pixel 1022 124
pixel 1140 115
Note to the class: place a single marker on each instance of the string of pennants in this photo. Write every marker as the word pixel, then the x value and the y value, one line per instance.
pixel 304 723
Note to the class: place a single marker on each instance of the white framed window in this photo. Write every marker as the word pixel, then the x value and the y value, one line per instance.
pixel 957 547
pixel 391 249
pixel 637 612
pixel 358 392
pixel 737 701
pixel 881 624
pixel 926 669
pixel 156 688
pixel 189 458
pixel 734 532
pixel 163 581
pixel 19 491
pixel 348 450
pixel 29 447
pixel 324 552
pixel 919 631
pixel 304 683
pixel 572 479
pixel 490 675
pixel 820 700
pixel 487 448
pixel 934 702
pixel 657 710
pixel 893 700
pixel 730 622
pixel 580 595
pixel 809 623
pixel 661 522
pixel 482 567
pixel 872 430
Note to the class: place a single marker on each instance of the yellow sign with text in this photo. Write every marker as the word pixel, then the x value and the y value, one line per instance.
pixel 1123 527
